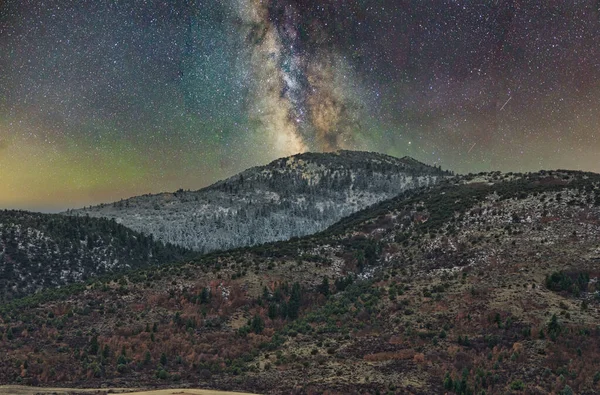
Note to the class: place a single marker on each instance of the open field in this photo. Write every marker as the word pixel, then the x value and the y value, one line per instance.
pixel 24 390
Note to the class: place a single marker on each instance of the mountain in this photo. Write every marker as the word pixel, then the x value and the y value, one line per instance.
pixel 481 283
pixel 289 197
pixel 42 250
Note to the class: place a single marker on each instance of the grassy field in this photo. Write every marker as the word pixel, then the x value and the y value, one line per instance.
pixel 24 390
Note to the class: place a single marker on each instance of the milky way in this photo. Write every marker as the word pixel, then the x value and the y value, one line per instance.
pixel 302 88
pixel 101 100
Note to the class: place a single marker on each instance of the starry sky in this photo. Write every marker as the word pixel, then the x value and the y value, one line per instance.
pixel 101 100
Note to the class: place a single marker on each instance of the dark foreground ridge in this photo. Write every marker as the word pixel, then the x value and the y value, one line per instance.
pixel 38 251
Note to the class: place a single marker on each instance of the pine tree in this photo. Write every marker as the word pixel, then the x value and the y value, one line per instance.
pixel 106 351
pixel 324 287
pixel 293 305
pixel 257 325
pixel 94 346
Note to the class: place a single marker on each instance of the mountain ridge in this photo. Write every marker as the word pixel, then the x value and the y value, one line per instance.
pixel 288 197
pixel 481 282
pixel 39 251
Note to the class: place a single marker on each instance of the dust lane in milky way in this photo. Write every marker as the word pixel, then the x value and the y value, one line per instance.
pixel 103 100
pixel 303 86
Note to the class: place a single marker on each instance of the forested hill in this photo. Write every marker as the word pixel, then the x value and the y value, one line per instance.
pixel 289 197
pixel 485 283
pixel 43 250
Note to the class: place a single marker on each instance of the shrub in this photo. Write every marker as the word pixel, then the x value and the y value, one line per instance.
pixel 572 283
pixel 162 374
pixel 517 385
pixel 567 391
pixel 554 327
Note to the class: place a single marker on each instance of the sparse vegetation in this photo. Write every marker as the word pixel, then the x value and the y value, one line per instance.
pixel 363 305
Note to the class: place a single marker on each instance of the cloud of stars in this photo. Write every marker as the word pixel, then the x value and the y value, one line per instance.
pixel 101 100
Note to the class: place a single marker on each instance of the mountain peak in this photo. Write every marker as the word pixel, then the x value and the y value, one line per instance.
pixel 289 197
pixel 346 159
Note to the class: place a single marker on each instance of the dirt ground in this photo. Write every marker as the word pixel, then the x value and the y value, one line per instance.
pixel 24 390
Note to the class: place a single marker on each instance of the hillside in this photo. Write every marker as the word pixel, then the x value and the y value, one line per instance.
pixel 289 197
pixel 41 250
pixel 484 282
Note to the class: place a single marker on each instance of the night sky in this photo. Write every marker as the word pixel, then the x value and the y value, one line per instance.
pixel 102 100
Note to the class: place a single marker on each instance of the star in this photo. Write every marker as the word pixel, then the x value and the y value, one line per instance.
pixel 106 99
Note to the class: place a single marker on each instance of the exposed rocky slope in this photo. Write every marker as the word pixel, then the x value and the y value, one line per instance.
pixel 482 283
pixel 44 250
pixel 289 197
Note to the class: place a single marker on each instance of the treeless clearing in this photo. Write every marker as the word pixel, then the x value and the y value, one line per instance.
pixel 24 390
pixel 186 392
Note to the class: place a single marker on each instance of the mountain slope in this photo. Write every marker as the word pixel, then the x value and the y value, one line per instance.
pixel 481 283
pixel 42 250
pixel 289 197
